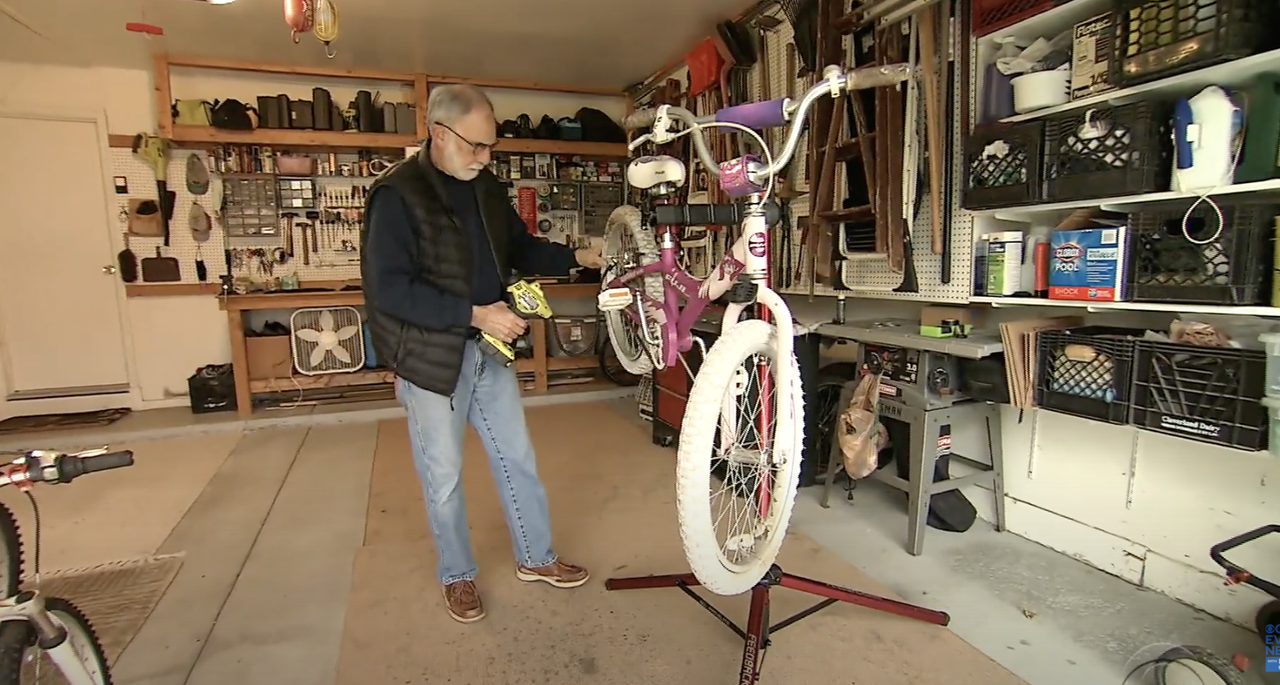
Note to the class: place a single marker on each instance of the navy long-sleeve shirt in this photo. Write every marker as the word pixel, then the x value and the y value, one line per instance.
pixel 392 284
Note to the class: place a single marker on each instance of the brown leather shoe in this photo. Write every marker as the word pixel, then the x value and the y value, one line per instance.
pixel 462 600
pixel 558 574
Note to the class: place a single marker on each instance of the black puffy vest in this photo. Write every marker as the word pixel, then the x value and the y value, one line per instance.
pixel 432 360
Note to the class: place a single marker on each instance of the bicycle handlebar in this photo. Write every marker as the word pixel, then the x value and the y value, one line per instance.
pixel 710 215
pixel 767 114
pixel 44 466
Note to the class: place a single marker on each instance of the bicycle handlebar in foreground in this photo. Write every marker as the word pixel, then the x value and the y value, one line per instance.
pixel 40 466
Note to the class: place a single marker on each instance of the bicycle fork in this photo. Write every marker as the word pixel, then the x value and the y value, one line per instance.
pixel 51 636
pixel 774 310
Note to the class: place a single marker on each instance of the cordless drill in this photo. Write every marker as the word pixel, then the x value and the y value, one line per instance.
pixel 527 300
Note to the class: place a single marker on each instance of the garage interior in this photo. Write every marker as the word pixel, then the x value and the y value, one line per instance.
pixel 272 529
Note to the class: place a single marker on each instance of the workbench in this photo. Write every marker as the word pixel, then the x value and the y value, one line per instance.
pixel 237 305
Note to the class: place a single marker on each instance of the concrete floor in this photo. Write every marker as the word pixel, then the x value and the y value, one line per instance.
pixel 290 499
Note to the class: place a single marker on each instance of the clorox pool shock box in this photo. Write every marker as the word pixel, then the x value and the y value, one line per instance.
pixel 1089 264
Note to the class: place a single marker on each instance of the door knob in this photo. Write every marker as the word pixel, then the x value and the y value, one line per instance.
pixel 109 269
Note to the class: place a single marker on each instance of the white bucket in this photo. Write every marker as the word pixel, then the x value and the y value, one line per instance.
pixel 1041 89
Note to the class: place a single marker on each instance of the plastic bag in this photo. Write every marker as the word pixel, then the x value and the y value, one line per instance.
pixel 859 431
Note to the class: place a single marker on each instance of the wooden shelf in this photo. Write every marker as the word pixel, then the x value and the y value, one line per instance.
pixel 170 289
pixel 1095 307
pixel 328 380
pixel 561 147
pixel 580 362
pixel 189 62
pixel 290 139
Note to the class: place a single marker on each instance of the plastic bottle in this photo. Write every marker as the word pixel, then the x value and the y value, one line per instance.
pixel 997 88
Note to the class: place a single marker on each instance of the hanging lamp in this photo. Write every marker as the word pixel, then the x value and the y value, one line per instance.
pixel 299 15
pixel 326 25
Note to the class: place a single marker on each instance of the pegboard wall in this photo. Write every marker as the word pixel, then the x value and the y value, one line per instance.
pixel 872 278
pixel 140 183
pixel 333 240
pixel 330 261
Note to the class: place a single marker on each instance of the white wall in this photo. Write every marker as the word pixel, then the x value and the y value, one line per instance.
pixel 169 337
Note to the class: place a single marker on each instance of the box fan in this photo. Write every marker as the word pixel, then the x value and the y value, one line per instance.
pixel 326 340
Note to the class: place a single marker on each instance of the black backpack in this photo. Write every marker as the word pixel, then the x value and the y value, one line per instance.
pixel 233 115
pixel 598 127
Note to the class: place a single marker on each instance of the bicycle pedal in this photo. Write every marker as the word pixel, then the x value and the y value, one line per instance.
pixel 614 299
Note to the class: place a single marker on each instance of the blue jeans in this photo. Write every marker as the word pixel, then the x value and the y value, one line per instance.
pixel 488 397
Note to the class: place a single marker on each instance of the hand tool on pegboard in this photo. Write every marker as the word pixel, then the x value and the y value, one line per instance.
pixel 154 152
pixel 912 167
pixel 933 120
pixel 951 44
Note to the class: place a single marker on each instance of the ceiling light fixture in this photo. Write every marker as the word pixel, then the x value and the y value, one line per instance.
pixel 218 2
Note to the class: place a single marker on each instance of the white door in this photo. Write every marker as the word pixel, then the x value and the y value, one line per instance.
pixel 60 323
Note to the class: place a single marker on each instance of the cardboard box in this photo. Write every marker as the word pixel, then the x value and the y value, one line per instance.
pixel 270 356
pixel 1092 49
pixel 1089 264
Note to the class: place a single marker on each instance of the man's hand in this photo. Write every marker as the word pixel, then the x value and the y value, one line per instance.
pixel 499 321
pixel 590 257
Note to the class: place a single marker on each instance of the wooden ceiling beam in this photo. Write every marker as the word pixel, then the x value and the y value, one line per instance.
pixel 371 75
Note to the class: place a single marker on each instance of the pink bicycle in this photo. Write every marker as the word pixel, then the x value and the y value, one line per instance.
pixel 734 413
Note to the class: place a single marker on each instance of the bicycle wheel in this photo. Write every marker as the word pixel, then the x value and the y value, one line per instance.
pixel 16 637
pixel 1192 665
pixel 10 553
pixel 712 418
pixel 627 245
pixel 611 367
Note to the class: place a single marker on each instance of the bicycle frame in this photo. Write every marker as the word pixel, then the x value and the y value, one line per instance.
pixel 685 297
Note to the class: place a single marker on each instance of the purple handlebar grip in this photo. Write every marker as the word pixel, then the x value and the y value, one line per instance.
pixel 757 115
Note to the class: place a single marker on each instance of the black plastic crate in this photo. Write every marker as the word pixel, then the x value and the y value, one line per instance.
pixel 1154 39
pixel 1004 165
pixel 1201 258
pixel 1108 151
pixel 1208 394
pixel 1086 371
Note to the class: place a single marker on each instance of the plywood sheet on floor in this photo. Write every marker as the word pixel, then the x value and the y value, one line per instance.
pixel 216 537
pixel 612 499
pixel 281 624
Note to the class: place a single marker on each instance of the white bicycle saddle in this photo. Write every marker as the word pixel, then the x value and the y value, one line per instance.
pixel 646 172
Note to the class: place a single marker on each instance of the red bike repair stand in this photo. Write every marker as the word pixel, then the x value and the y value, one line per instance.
pixel 756 635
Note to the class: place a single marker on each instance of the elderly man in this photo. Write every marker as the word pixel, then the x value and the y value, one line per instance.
pixel 439 242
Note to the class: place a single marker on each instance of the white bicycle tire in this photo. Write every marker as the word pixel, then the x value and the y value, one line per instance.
pixel 17 640
pixel 625 220
pixel 702 416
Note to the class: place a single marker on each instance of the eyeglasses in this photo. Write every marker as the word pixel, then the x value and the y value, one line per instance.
pixel 477 149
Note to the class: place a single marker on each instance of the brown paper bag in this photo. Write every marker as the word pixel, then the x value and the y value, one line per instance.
pixel 859 431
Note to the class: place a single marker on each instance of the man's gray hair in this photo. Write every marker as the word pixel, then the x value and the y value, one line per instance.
pixel 448 103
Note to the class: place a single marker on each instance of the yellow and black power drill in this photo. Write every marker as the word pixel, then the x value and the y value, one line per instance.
pixel 527 300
